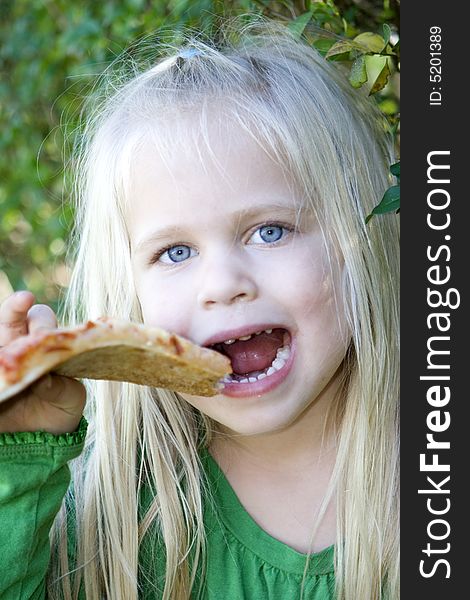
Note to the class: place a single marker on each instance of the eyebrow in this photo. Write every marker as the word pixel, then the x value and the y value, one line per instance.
pixel 174 231
pixel 158 236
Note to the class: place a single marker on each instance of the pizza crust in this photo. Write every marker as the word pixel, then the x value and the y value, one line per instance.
pixel 113 350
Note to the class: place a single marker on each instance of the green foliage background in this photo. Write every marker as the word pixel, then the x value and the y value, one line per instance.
pixel 50 50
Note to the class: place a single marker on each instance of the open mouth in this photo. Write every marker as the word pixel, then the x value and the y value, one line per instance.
pixel 256 356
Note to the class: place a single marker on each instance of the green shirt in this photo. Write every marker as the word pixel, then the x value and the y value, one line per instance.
pixel 243 561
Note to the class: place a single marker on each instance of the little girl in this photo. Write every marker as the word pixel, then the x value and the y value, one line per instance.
pixel 221 194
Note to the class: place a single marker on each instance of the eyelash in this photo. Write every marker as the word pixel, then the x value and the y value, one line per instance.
pixel 289 229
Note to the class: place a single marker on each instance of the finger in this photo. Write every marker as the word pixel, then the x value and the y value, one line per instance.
pixel 13 316
pixel 63 400
pixel 41 316
pixel 67 393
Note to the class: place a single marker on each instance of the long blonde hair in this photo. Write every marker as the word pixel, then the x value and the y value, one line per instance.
pixel 332 141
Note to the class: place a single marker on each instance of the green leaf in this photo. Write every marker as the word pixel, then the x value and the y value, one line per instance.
pixel 395 170
pixel 358 75
pixel 389 203
pixel 298 25
pixel 382 79
pixel 323 45
pixel 372 42
pixel 387 33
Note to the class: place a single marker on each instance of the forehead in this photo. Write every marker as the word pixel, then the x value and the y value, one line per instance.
pixel 220 168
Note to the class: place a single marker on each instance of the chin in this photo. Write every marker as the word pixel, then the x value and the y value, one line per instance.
pixel 258 422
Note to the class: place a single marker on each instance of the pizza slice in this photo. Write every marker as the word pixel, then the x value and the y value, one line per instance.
pixel 113 350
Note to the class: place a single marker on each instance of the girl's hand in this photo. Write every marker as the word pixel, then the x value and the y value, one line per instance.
pixel 52 403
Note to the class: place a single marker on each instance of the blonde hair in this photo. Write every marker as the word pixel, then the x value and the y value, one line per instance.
pixel 333 144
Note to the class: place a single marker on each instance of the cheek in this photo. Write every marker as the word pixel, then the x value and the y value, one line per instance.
pixel 322 298
pixel 318 300
pixel 306 283
pixel 164 303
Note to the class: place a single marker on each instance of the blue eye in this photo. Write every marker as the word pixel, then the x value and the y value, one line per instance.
pixel 268 234
pixel 176 254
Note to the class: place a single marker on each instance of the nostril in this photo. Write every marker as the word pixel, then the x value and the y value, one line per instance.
pixel 239 297
pixel 226 287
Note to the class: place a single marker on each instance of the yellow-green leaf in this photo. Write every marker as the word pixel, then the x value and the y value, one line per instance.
pixel 382 79
pixel 358 75
pixel 372 42
pixel 340 48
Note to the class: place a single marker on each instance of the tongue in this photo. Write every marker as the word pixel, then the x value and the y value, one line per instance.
pixel 255 354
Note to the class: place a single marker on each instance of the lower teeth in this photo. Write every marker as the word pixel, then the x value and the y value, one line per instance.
pixel 278 363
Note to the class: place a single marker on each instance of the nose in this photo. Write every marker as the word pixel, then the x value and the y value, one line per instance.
pixel 226 281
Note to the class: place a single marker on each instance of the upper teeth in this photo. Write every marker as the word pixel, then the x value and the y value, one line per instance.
pixel 244 338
